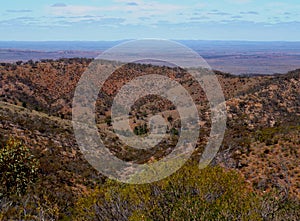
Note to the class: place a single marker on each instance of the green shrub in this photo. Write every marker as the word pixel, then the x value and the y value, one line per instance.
pixel 141 130
pixel 18 168
pixel 189 194
pixel 108 121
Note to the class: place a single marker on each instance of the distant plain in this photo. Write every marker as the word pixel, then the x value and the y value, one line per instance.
pixel 235 57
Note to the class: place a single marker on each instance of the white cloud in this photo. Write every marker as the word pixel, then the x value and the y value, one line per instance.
pixel 136 6
pixel 72 10
pixel 249 13
pixel 129 10
pixel 19 11
pixel 59 5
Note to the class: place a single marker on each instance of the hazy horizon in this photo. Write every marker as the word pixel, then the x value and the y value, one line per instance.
pixel 236 57
pixel 237 36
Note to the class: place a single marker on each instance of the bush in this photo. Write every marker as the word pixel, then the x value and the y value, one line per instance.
pixel 189 194
pixel 140 130
pixel 18 168
pixel 108 121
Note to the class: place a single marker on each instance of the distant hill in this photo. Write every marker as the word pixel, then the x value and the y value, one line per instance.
pixel 236 57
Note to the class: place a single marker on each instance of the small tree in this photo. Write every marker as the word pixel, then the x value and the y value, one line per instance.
pixel 108 121
pixel 141 130
pixel 18 168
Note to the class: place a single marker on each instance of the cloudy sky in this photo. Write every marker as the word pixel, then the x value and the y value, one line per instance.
pixel 133 19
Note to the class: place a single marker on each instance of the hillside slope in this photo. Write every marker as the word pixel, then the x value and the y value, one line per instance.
pixel 262 138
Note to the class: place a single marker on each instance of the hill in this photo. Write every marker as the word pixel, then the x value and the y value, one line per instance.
pixel 261 141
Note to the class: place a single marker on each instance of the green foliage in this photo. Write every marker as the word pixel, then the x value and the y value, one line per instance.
pixel 108 120
pixel 141 130
pixel 194 194
pixel 189 194
pixel 174 131
pixel 268 135
pixel 18 168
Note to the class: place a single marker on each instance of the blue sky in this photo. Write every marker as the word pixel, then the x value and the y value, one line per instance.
pixel 256 20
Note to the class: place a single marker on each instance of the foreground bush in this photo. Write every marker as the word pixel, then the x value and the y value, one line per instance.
pixel 18 168
pixel 28 207
pixel 190 194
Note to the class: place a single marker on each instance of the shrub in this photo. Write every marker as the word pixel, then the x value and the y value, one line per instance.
pixel 18 168
pixel 189 194
pixel 140 130
pixel 108 121
pixel 28 207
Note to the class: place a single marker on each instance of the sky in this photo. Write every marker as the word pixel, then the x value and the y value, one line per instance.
pixel 96 20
